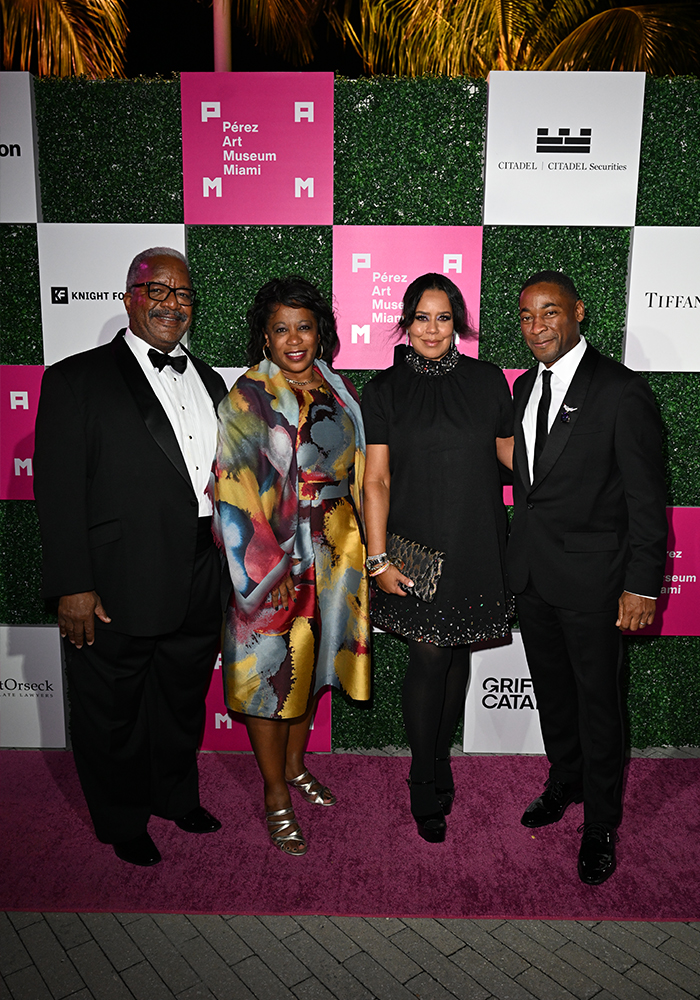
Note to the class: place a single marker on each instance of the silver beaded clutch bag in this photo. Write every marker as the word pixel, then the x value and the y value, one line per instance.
pixel 421 564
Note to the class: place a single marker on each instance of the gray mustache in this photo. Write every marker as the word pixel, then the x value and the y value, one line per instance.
pixel 167 313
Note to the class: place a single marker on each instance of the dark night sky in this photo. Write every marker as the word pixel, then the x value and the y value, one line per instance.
pixel 169 36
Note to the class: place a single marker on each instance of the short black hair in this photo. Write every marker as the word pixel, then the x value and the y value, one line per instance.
pixel 552 278
pixel 414 293
pixel 299 293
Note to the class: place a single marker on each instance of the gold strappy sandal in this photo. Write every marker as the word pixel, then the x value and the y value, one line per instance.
pixel 277 827
pixel 304 783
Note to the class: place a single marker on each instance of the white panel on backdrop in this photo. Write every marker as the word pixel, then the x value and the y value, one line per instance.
pixel 562 149
pixel 31 687
pixel 500 715
pixel 663 310
pixel 19 185
pixel 82 271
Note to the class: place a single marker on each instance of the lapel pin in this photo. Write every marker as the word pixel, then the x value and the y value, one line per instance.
pixel 566 413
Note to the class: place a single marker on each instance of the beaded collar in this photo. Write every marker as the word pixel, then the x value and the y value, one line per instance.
pixel 426 366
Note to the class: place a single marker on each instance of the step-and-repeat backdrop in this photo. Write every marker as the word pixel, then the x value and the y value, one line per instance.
pixel 561 149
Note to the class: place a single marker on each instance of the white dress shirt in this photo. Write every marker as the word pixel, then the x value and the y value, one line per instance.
pixel 190 410
pixel 563 371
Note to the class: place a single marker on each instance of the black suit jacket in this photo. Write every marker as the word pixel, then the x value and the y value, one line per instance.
pixel 117 510
pixel 594 522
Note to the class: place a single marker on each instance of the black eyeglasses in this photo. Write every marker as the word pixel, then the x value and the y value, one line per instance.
pixel 161 293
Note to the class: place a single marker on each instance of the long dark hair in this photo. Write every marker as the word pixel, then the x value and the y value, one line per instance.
pixel 298 293
pixel 414 293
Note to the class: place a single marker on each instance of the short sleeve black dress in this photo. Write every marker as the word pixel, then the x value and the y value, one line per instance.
pixel 440 420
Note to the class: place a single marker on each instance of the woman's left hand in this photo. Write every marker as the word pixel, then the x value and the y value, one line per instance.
pixel 283 593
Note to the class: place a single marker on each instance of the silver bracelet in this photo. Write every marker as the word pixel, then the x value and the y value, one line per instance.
pixel 374 562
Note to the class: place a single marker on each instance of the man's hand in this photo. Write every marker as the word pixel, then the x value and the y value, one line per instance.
pixel 76 617
pixel 634 612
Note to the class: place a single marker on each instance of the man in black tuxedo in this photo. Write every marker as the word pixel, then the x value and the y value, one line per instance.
pixel 125 439
pixel 586 553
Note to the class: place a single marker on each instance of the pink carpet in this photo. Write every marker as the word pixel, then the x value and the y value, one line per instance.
pixel 364 856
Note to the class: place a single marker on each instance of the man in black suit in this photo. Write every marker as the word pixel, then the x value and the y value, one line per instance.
pixel 125 439
pixel 586 553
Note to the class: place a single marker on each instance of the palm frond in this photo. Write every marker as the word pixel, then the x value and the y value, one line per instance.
pixel 64 37
pixel 633 38
pixel 282 26
pixel 464 37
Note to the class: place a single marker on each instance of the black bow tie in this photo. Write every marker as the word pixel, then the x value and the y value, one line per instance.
pixel 159 361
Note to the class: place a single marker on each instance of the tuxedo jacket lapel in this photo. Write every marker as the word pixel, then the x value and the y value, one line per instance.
pixel 560 431
pixel 153 414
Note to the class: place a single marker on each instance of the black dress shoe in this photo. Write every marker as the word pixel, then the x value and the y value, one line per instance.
pixel 198 820
pixel 596 859
pixel 550 806
pixel 139 851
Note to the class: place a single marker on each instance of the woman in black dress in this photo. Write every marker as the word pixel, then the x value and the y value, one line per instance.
pixel 437 424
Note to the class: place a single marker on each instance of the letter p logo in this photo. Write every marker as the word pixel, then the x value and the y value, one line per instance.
pixel 360 261
pixel 211 109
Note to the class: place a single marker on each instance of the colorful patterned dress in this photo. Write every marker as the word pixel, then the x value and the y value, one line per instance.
pixel 289 474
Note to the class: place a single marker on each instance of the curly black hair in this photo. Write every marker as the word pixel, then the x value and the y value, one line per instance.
pixel 414 293
pixel 299 293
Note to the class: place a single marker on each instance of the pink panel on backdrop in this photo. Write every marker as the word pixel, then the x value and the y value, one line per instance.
pixel 678 607
pixel 221 732
pixel 373 266
pixel 257 148
pixel 19 397
pixel 511 374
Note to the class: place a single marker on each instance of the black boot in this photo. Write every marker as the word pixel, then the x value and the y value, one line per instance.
pixel 431 824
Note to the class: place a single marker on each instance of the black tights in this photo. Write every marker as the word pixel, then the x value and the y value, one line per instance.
pixel 433 698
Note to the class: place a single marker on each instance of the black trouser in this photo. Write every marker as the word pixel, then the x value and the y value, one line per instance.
pixel 575 660
pixel 137 713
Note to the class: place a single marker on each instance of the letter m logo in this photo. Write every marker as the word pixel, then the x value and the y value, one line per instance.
pixel 301 185
pixel 359 331
pixel 211 185
pixel 26 465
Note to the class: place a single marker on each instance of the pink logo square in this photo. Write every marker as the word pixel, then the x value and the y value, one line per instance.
pixel 372 268
pixel 257 148
pixel 677 606
pixel 223 732
pixel 19 398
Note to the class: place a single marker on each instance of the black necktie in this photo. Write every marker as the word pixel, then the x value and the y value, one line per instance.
pixel 543 415
pixel 159 361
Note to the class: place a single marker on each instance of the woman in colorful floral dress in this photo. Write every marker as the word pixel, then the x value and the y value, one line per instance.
pixel 288 494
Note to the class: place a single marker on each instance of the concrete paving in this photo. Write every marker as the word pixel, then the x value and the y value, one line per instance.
pixel 122 956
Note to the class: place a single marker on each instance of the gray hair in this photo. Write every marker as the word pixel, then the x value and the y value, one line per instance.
pixel 133 272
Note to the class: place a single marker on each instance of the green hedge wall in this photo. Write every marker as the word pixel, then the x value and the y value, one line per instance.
pixel 407 152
